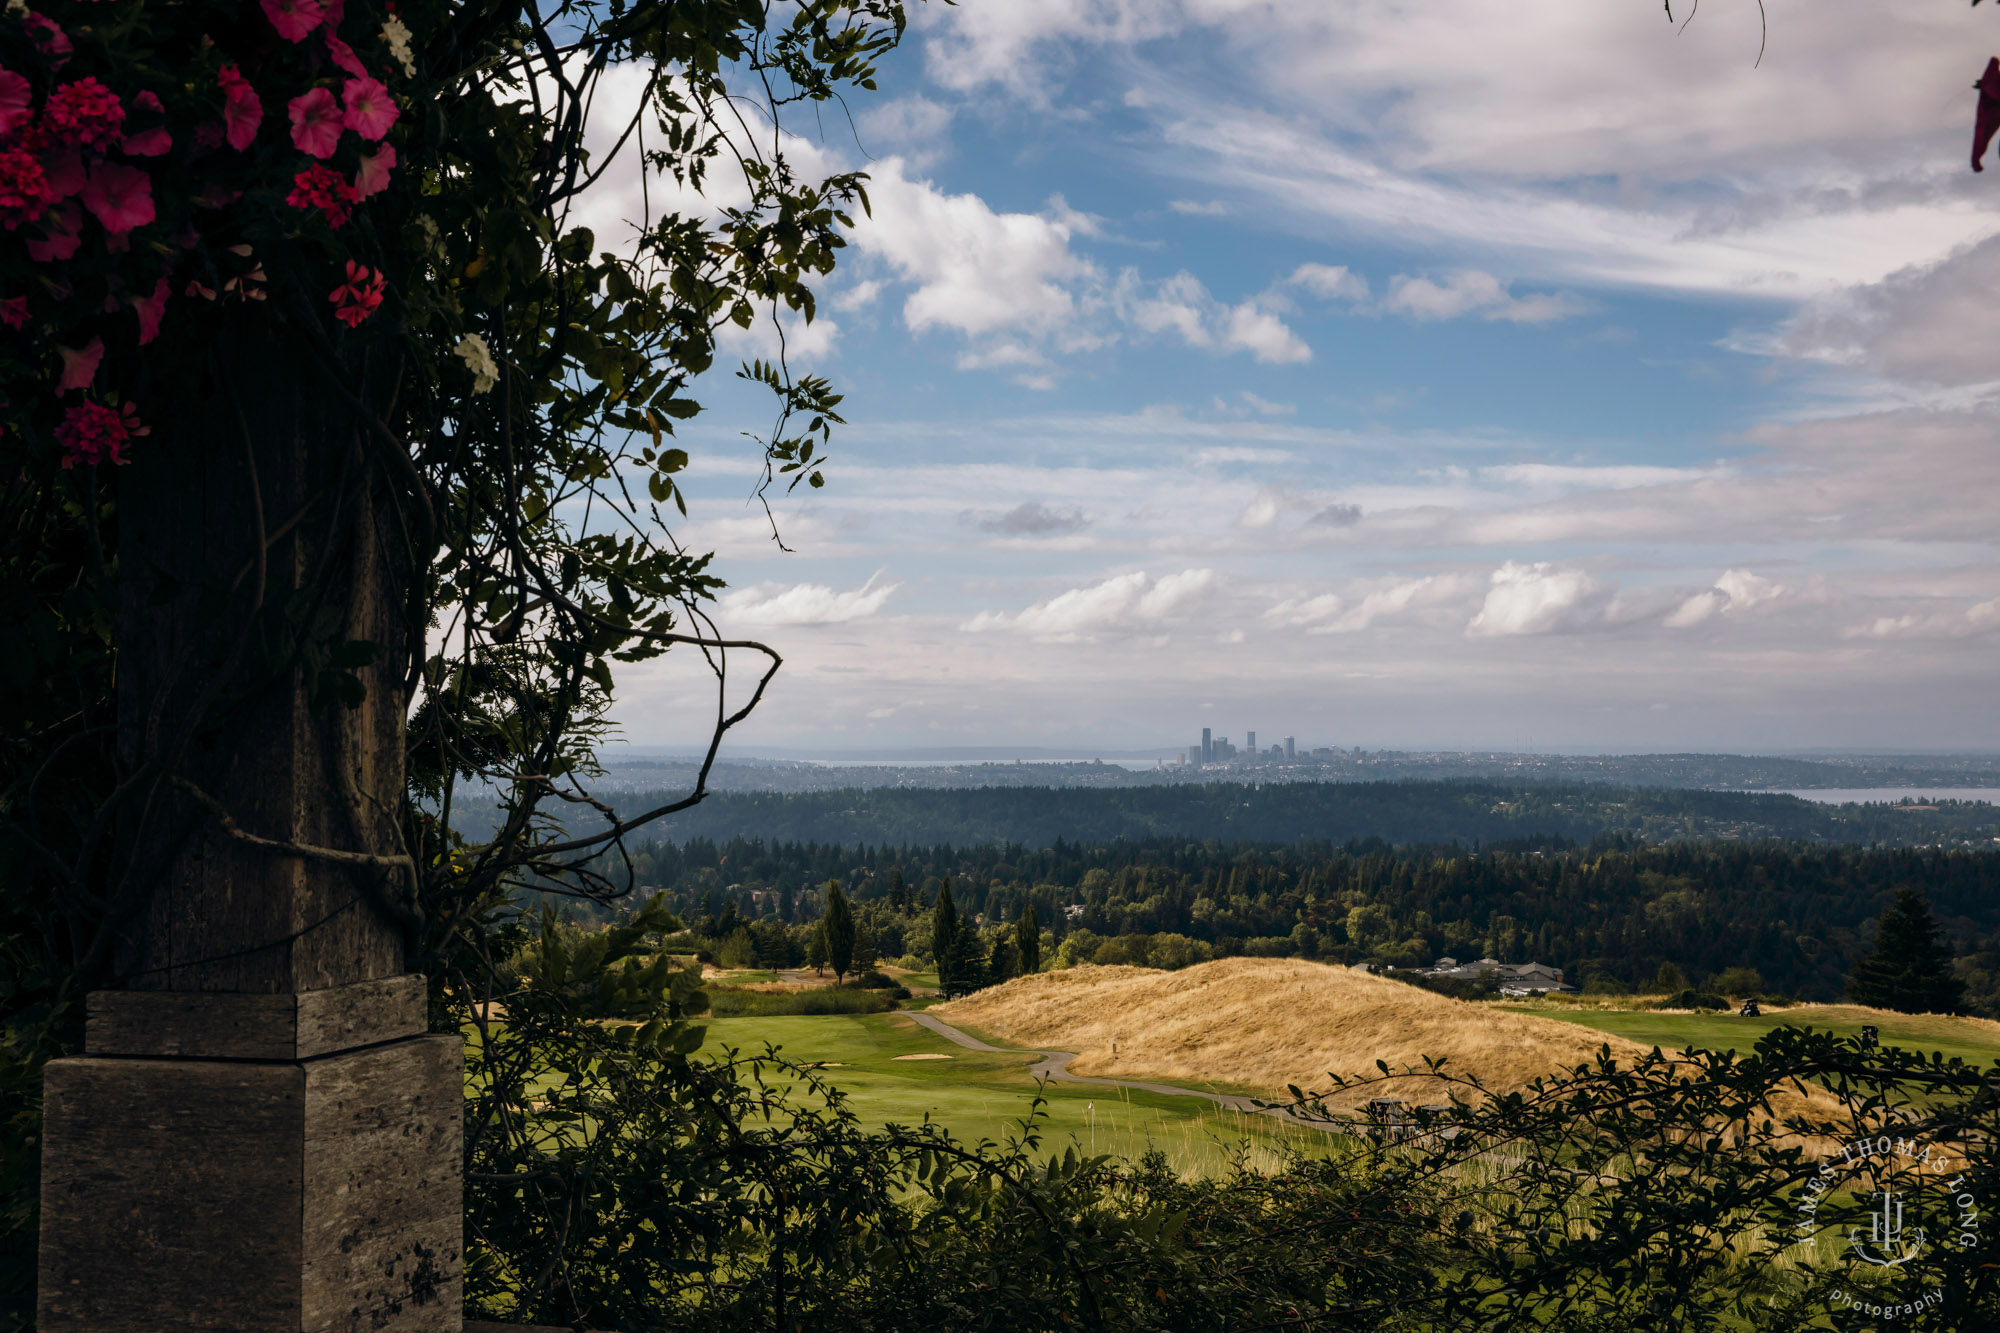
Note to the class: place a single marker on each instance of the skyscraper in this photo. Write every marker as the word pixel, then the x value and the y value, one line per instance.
pixel 1207 747
pixel 1291 751
pixel 1250 743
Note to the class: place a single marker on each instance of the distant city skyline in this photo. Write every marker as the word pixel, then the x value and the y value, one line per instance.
pixel 1534 376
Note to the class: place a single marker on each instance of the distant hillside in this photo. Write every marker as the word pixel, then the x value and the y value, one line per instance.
pixel 1267 1023
pixel 1399 812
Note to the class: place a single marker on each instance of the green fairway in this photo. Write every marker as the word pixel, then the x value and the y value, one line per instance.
pixel 978 1095
pixel 1973 1040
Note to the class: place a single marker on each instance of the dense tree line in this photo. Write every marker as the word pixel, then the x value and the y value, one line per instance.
pixel 1611 914
pixel 1471 811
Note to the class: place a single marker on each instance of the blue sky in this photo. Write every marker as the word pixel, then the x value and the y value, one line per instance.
pixel 1394 375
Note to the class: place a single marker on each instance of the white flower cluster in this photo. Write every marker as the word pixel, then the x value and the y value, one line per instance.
pixel 433 239
pixel 478 358
pixel 397 35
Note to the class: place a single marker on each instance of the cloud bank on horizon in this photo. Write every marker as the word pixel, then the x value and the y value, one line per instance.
pixel 1392 375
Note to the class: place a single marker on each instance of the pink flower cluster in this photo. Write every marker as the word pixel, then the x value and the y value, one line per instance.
pixel 325 189
pixel 85 153
pixel 92 433
pixel 357 298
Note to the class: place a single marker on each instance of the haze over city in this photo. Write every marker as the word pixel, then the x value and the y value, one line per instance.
pixel 1223 360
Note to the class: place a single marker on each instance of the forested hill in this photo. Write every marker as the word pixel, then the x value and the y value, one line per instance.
pixel 1466 812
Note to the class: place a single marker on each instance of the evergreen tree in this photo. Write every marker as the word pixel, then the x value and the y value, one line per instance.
pixel 1909 970
pixel 968 959
pixel 899 892
pixel 944 936
pixel 866 951
pixel 816 947
pixel 1005 960
pixel 1028 940
pixel 839 927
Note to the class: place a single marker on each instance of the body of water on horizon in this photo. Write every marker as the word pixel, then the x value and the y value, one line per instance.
pixel 1862 795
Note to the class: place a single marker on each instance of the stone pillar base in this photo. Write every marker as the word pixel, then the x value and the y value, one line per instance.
pixel 254 1196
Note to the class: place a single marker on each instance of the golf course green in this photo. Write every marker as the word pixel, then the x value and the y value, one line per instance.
pixel 1974 1040
pixel 895 1072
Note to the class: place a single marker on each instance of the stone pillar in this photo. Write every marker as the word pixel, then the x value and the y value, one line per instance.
pixel 259 1135
pixel 254 1164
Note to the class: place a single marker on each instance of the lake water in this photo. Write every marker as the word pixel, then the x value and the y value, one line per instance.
pixel 1843 795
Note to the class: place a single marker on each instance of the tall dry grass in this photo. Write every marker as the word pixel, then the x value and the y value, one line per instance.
pixel 1263 1024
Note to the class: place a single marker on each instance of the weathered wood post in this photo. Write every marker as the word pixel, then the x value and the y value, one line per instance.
pixel 260 1134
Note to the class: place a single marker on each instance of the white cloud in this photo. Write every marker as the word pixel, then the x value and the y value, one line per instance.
pixel 1124 601
pixel 1736 591
pixel 1538 598
pixel 1931 323
pixel 859 296
pixel 914 128
pixel 1385 600
pixel 975 270
pixel 1332 281
pixel 1032 518
pixel 1982 618
pixel 803 603
pixel 1472 292
pixel 1183 306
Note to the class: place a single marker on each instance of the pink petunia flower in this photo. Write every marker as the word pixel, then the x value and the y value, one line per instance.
pixel 242 112
pixel 343 54
pixel 14 101
pixel 121 197
pixel 24 189
pixel 80 365
pixel 315 123
pixel 84 114
pixel 373 177
pixel 148 143
pixel 293 19
pixel 14 311
pixel 370 109
pixel 151 310
pixel 91 433
pixel 49 39
pixel 62 228
pixel 325 189
pixel 63 169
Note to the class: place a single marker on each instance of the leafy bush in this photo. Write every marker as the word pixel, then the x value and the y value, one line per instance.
pixel 1743 982
pixel 731 1002
pixel 873 980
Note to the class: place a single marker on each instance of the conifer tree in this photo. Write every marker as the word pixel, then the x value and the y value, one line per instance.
pixel 839 927
pixel 816 947
pixel 1028 940
pixel 969 969
pixel 1909 970
pixel 944 937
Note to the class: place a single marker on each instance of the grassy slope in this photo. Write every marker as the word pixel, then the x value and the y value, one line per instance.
pixel 1972 1039
pixel 977 1095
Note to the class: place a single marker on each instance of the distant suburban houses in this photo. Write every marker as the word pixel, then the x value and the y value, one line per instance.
pixel 1514 978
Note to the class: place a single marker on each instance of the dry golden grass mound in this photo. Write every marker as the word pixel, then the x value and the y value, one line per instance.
pixel 1266 1023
